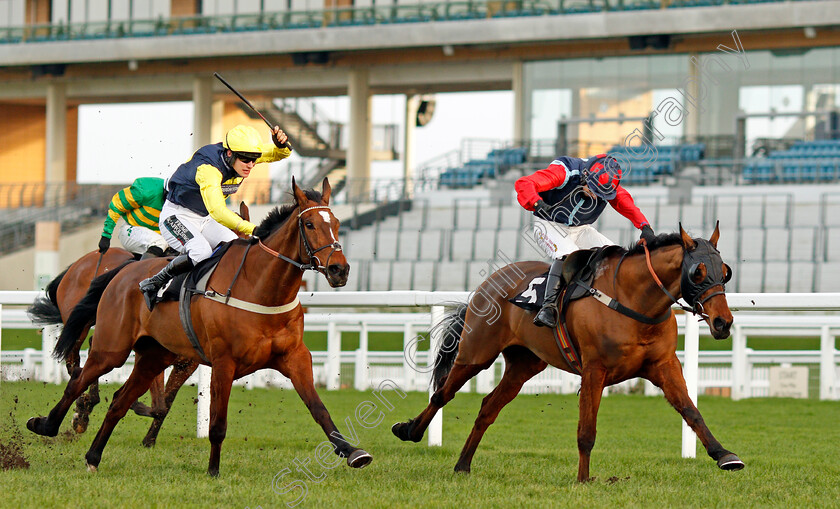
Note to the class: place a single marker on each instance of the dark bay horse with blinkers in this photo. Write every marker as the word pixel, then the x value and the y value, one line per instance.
pixel 612 347
pixel 263 276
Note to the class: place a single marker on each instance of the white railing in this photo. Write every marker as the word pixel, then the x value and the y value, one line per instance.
pixel 741 377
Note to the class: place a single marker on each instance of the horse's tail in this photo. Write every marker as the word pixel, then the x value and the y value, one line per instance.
pixel 84 314
pixel 450 328
pixel 44 311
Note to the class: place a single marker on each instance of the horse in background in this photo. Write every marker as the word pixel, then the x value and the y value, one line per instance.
pixel 63 293
pixel 256 324
pixel 611 346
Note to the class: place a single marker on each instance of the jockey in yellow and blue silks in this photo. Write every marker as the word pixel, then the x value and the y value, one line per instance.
pixel 195 219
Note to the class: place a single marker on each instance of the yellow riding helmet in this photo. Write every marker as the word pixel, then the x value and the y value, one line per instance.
pixel 244 139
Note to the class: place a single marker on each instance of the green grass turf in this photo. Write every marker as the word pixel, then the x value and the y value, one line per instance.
pixel 527 459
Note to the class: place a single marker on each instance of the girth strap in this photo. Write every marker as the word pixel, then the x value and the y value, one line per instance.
pixel 563 339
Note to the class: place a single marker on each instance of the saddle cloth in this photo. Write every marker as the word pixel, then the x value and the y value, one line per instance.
pixel 532 297
pixel 172 290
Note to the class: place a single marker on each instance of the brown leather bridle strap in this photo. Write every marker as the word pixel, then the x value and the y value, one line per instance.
pixel 658 282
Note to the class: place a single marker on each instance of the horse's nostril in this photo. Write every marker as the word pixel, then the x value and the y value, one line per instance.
pixel 335 269
pixel 720 324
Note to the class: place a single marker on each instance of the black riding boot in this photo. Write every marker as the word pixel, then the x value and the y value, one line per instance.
pixel 548 314
pixel 150 286
pixel 152 252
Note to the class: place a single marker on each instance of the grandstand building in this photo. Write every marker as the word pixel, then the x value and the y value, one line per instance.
pixel 720 109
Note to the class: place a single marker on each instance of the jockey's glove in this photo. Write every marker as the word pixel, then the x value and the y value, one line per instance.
pixel 277 142
pixel 647 233
pixel 104 244
pixel 542 209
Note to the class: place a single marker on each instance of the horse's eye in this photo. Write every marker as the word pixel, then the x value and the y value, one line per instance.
pixel 698 273
pixel 309 225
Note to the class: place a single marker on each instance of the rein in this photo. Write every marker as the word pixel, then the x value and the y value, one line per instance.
pixel 270 310
pixel 305 243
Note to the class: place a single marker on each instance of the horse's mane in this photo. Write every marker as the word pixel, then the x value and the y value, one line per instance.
pixel 278 215
pixel 661 240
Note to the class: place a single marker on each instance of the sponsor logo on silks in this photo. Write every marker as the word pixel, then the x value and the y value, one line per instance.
pixel 177 229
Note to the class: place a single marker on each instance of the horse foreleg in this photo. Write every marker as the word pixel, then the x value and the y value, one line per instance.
pixel 221 381
pixel 84 406
pixel 672 383
pixel 520 366
pixel 297 367
pixel 147 365
pixel 591 387
pixel 181 371
pixel 414 429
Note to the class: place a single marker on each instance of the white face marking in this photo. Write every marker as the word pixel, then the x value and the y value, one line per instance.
pixel 326 217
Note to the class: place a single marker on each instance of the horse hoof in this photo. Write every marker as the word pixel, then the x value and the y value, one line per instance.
pixel 402 430
pixel 148 443
pixel 80 423
pixel 462 470
pixel 91 468
pixel 359 459
pixel 730 462
pixel 36 425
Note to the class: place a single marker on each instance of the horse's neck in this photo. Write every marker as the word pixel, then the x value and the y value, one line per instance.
pixel 278 281
pixel 639 286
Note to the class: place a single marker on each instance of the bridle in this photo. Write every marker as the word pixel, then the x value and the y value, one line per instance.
pixel 704 252
pixel 304 242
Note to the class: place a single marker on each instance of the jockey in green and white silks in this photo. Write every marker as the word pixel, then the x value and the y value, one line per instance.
pixel 195 219
pixel 134 212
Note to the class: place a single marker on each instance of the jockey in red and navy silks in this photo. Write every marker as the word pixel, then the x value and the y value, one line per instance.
pixel 566 198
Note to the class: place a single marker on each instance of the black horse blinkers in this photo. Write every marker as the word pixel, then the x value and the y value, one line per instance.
pixel 704 252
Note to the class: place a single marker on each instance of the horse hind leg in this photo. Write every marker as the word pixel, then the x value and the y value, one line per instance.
pixel 520 366
pixel 149 362
pixel 96 366
pixel 156 392
pixel 181 371
pixel 672 383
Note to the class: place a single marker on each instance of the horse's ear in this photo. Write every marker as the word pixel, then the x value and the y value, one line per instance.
pixel 244 213
pixel 300 196
pixel 326 190
pixel 713 240
pixel 688 242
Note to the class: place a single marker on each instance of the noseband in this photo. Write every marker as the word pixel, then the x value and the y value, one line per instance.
pixel 311 253
pixel 704 253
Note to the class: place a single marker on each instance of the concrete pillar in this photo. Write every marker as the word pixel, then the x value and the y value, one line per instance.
pixel 47 234
pixel 411 104
pixel 358 148
pixel 202 111
pixel 56 138
pixel 46 267
pixel 519 106
pixel 717 96
pixel 692 89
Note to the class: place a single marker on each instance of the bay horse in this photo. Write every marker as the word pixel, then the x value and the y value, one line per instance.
pixel 62 294
pixel 611 346
pixel 264 330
